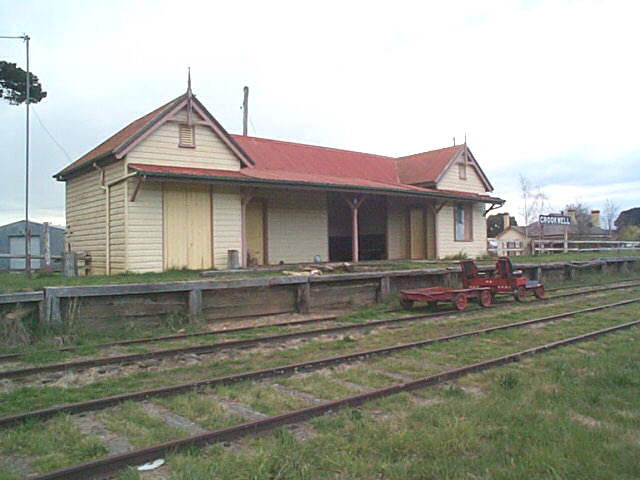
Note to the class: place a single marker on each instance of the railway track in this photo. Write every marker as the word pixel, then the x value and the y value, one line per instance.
pixel 281 370
pixel 111 464
pixel 245 343
pixel 293 323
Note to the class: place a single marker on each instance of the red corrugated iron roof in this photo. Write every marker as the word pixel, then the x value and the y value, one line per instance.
pixel 425 167
pixel 256 175
pixel 311 159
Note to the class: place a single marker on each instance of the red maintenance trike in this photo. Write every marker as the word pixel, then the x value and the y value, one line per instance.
pixel 476 285
pixel 459 297
pixel 504 279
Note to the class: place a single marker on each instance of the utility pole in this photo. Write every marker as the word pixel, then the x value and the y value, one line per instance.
pixel 245 111
pixel 27 228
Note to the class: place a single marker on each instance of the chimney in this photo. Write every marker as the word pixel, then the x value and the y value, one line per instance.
pixel 595 218
pixel 572 214
pixel 506 221
pixel 245 111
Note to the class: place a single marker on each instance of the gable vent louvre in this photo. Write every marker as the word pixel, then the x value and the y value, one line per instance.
pixel 187 136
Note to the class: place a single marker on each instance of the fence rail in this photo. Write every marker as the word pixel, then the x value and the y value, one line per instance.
pixel 566 246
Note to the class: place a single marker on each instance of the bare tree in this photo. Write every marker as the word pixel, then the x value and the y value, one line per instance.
pixel 534 201
pixel 582 217
pixel 610 213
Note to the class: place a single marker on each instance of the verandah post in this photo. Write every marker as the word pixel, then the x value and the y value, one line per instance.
pixel 354 203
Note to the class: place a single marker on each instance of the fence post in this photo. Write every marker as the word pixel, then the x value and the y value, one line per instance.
pixel 536 273
pixel 195 302
pixel 569 272
pixel 384 290
pixel 70 264
pixel 47 246
pixel 51 311
pixel 303 298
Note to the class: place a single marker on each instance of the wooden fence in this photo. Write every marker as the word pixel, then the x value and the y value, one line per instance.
pixel 565 246
pixel 148 303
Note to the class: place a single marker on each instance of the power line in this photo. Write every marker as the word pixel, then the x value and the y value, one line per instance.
pixel 50 134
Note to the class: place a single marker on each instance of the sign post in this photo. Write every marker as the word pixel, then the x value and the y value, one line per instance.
pixel 557 220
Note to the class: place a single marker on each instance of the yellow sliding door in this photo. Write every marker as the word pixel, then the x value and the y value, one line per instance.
pixel 417 234
pixel 187 227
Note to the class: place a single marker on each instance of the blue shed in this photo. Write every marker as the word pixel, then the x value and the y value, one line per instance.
pixel 12 242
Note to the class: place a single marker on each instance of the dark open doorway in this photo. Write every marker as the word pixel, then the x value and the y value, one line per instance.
pixel 372 228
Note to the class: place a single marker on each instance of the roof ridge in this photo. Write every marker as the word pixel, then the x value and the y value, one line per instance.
pixel 308 145
pixel 429 151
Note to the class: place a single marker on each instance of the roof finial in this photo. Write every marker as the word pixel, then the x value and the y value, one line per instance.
pixel 465 139
pixel 189 81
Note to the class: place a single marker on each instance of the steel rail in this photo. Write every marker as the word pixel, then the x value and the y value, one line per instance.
pixel 328 318
pixel 135 341
pixel 243 343
pixel 113 463
pixel 105 402
pixel 587 285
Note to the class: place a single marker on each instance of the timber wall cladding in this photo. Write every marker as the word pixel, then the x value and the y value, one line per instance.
pixel 342 294
pixel 117 310
pixel 238 302
pixel 86 216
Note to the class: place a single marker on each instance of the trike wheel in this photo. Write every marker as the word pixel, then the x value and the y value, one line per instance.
pixel 485 298
pixel 539 292
pixel 519 294
pixel 406 304
pixel 459 301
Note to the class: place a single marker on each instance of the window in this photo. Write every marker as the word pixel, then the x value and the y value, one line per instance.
pixel 462 171
pixel 187 136
pixel 463 225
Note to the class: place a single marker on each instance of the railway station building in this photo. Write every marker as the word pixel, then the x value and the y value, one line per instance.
pixel 173 189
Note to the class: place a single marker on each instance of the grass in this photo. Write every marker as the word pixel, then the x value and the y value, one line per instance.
pixel 203 410
pixel 142 430
pixel 51 445
pixel 260 397
pixel 13 282
pixel 561 415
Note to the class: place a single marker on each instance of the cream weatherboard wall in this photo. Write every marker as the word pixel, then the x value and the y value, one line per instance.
pixel 145 228
pixel 297 226
pixel 161 148
pixel 86 214
pixel 227 224
pixel 447 245
pixel 451 180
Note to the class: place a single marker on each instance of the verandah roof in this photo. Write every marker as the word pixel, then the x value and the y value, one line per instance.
pixel 274 178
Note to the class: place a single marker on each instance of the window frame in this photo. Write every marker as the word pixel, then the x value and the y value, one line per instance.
pixel 467 222
pixel 462 170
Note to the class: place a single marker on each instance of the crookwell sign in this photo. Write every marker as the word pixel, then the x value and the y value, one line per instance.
pixel 554 220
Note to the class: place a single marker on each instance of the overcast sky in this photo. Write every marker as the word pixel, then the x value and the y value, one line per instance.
pixel 547 89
